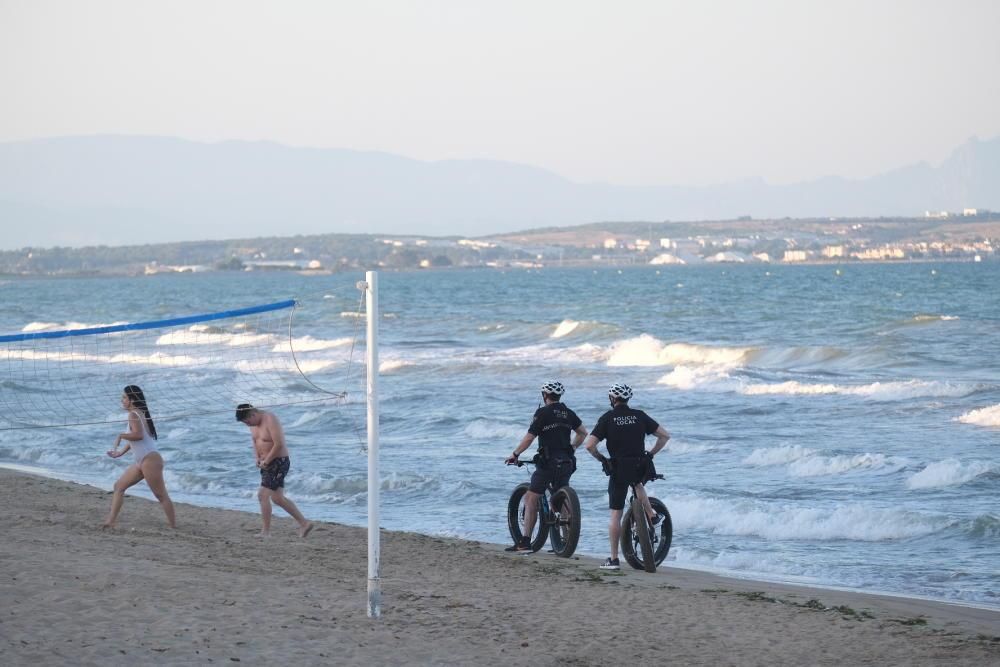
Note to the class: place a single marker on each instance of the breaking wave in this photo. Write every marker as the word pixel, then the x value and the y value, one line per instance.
pixel 982 417
pixel 949 472
pixel 782 522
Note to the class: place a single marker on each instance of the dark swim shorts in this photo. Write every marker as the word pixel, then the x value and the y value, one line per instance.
pixel 273 475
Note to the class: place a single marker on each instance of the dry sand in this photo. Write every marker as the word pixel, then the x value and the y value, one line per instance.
pixel 212 592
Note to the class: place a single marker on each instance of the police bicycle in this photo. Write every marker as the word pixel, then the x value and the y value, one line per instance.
pixel 645 545
pixel 557 516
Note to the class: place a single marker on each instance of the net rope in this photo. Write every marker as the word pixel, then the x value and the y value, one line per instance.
pixel 191 365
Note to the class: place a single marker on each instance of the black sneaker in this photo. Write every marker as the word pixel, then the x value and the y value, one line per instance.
pixel 655 521
pixel 611 564
pixel 522 547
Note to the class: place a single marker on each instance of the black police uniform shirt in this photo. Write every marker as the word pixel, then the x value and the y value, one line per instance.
pixel 625 430
pixel 552 424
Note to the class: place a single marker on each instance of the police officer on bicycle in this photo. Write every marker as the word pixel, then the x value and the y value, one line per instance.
pixel 625 430
pixel 552 424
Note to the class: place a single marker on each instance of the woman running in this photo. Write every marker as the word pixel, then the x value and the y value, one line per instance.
pixel 148 464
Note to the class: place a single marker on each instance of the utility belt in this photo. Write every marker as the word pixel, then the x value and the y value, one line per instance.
pixel 632 469
pixel 557 461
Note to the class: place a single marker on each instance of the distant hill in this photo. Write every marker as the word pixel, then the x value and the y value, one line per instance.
pixel 129 190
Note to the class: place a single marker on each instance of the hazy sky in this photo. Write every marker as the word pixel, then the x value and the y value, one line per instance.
pixel 626 92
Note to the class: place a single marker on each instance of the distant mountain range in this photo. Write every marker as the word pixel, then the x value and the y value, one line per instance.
pixel 129 190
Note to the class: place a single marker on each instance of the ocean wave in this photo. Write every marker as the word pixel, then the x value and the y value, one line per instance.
pixel 195 336
pixel 933 318
pixel 879 391
pixel 564 328
pixel 493 431
pixel 188 482
pixel 33 327
pixel 858 522
pixel 816 466
pixel 315 486
pixel 805 462
pixel 310 344
pixel 985 526
pixel 949 472
pixel 740 561
pixel 646 350
pixel 689 377
pixel 769 456
pixel 680 447
pixel 982 417
pixel 307 417
pixel 151 359
pixel 391 365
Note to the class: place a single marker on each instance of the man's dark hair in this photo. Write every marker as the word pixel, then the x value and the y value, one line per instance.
pixel 243 411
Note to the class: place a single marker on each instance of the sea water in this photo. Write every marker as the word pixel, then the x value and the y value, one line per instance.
pixel 831 425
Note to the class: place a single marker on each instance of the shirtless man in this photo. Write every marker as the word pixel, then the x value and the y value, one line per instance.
pixel 271 454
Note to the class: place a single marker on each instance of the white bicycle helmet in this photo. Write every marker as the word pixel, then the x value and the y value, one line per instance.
pixel 620 391
pixel 553 387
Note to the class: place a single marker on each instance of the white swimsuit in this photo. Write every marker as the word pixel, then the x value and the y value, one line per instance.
pixel 141 448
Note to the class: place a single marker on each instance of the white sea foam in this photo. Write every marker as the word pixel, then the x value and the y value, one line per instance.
pixel 772 521
pixel 806 462
pixel 645 350
pixel 313 486
pixel 307 417
pixel 153 359
pixel 949 472
pixel 310 344
pixel 706 377
pixel 764 563
pixel 879 391
pixel 769 456
pixel 187 482
pixel 935 318
pixel 565 328
pixel 815 466
pixel 33 327
pixel 982 417
pixel 390 365
pixel 486 430
pixel 680 447
pixel 191 336
pixel 351 313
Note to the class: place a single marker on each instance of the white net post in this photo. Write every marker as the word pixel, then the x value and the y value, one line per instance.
pixel 374 485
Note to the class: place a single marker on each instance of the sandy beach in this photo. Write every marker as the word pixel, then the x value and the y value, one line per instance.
pixel 212 592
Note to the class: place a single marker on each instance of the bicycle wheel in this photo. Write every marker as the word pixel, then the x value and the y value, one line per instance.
pixel 635 540
pixel 661 537
pixel 516 515
pixel 663 533
pixel 565 530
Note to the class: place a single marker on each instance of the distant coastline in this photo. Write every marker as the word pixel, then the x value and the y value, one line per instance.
pixel 961 237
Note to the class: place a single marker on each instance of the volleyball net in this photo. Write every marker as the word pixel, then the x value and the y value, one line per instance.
pixel 190 365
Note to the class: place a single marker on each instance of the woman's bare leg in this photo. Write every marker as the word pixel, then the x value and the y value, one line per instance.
pixel 130 477
pixel 152 470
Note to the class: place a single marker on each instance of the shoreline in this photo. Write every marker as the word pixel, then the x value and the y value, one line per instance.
pixel 748 580
pixel 213 591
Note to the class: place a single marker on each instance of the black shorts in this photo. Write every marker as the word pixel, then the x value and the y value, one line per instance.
pixel 625 472
pixel 273 474
pixel 555 472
